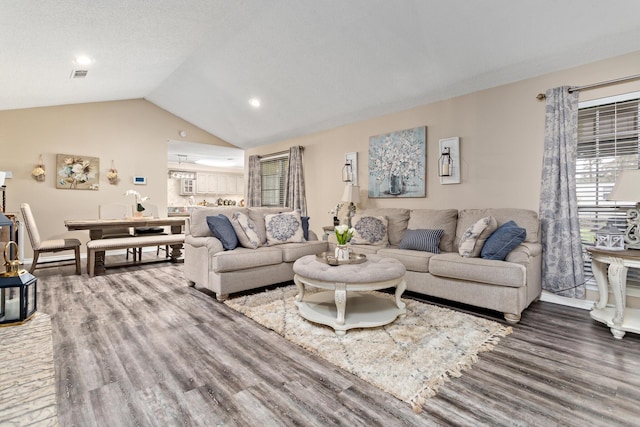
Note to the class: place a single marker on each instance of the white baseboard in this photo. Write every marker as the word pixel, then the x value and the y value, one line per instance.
pixel 570 302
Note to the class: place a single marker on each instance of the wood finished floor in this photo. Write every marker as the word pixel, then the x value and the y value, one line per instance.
pixel 153 354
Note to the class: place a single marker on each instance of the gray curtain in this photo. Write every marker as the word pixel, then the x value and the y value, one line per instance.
pixel 562 260
pixel 254 184
pixel 295 194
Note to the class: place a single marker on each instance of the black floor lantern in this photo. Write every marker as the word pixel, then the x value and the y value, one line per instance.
pixel 18 290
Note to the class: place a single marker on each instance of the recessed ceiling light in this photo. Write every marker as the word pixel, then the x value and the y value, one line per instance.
pixel 254 102
pixel 83 60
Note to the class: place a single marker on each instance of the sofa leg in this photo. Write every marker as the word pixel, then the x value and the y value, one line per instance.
pixel 512 318
pixel 222 297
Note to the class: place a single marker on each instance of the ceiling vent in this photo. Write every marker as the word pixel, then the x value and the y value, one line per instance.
pixel 79 74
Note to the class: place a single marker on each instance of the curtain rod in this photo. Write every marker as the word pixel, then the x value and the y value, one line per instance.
pixel 279 153
pixel 542 96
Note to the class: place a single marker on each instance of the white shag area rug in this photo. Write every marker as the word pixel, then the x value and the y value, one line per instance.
pixel 409 358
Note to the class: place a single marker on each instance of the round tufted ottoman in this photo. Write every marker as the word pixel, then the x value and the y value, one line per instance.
pixel 343 306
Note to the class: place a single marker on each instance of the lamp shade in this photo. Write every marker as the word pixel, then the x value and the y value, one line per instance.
pixel 627 188
pixel 351 193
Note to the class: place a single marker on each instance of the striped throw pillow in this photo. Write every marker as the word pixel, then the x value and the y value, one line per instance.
pixel 422 240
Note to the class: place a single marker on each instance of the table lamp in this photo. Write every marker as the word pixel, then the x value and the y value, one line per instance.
pixel 627 189
pixel 351 195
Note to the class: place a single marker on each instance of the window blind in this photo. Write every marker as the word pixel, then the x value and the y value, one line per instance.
pixel 273 173
pixel 607 144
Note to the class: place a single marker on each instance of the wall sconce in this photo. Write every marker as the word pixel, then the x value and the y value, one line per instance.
pixel 350 168
pixel 445 163
pixel 449 161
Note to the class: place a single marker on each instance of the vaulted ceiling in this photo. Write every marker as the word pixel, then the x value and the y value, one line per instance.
pixel 314 64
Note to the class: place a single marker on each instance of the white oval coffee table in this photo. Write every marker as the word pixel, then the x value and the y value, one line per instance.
pixel 344 305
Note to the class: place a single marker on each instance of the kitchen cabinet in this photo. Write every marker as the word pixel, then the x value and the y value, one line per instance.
pixel 187 186
pixel 218 183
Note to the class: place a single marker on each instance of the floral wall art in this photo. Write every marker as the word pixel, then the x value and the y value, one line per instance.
pixel 77 172
pixel 397 164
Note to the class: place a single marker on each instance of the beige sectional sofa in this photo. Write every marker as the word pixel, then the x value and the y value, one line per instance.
pixel 208 265
pixel 507 286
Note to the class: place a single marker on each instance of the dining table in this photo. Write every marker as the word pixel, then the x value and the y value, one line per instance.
pixel 99 227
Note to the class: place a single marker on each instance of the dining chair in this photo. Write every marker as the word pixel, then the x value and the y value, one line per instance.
pixel 151 209
pixel 117 211
pixel 54 245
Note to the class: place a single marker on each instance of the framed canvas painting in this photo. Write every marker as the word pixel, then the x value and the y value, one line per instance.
pixel 77 172
pixel 397 164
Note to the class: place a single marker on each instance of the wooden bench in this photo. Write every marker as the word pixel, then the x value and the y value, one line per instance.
pixel 101 245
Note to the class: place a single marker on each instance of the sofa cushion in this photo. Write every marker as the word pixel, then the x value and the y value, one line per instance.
pixel 434 219
pixel 422 240
pixel 198 226
pixel 470 244
pixel 245 229
pixel 293 251
pixel 369 230
pixel 244 258
pixel 222 230
pixel 283 228
pixel 453 266
pixel 412 260
pixel 525 218
pixel 397 220
pixel 505 239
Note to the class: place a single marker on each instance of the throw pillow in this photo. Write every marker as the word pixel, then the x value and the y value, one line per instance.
pixel 222 230
pixel 245 230
pixel 470 236
pixel 493 226
pixel 422 240
pixel 505 239
pixel 369 230
pixel 284 228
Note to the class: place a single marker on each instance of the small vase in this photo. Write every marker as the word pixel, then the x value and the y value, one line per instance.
pixel 342 252
pixel 336 221
pixel 395 184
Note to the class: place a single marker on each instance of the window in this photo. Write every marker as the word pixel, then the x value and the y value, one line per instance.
pixel 273 173
pixel 607 144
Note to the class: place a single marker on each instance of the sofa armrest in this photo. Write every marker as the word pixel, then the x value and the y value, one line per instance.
pixel 312 235
pixel 522 253
pixel 212 244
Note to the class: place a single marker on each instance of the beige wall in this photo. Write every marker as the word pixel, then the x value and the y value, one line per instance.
pixel 132 133
pixel 501 134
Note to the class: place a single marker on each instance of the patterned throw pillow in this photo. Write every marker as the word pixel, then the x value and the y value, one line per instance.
pixel 222 230
pixel 470 236
pixel 245 230
pixel 422 240
pixel 369 230
pixel 284 228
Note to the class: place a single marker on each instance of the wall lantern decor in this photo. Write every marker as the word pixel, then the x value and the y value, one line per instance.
pixel 39 171
pixel 17 291
pixel 449 161
pixel 112 174
pixel 350 168
pixel 610 238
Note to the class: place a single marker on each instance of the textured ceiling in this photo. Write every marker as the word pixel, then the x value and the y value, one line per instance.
pixel 314 64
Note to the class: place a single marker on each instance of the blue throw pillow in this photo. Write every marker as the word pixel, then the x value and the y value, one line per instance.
pixel 305 227
pixel 222 230
pixel 505 239
pixel 422 240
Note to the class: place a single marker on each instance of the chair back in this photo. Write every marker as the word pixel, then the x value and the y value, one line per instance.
pixel 30 224
pixel 114 211
pixel 150 209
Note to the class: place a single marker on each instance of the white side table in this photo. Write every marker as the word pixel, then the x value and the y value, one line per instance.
pixel 610 271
